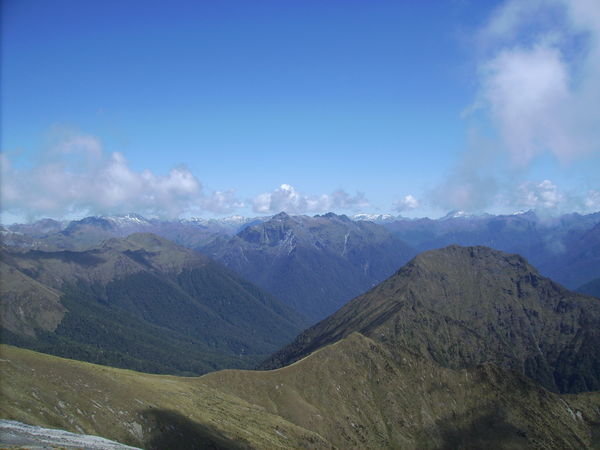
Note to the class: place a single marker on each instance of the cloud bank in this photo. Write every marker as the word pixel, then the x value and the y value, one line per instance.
pixel 76 176
pixel 538 91
pixel 287 198
pixel 540 85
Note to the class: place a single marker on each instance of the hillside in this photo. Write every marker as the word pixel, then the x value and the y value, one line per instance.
pixel 352 394
pixel 148 411
pixel 142 303
pixel 314 264
pixel 463 306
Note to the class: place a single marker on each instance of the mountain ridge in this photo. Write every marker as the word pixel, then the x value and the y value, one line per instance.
pixel 352 394
pixel 314 264
pixel 132 294
pixel 461 306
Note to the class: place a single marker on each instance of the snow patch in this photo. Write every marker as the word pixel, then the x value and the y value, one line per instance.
pixel 17 433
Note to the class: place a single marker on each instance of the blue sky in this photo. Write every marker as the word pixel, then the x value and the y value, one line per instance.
pixel 213 108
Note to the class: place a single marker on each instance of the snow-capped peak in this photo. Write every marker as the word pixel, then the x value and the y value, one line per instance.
pixel 374 217
pixel 127 219
pixel 456 214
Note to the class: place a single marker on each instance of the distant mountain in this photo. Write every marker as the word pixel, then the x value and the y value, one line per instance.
pixel 564 248
pixel 48 234
pixel 377 218
pixel 142 302
pixel 314 264
pixel 463 306
pixel 40 228
pixel 591 288
pixel 578 259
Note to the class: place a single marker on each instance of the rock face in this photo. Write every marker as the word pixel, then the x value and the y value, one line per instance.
pixel 314 264
pixel 143 303
pixel 463 306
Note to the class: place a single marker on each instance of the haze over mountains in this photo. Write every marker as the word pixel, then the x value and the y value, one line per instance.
pixel 50 234
pixel 565 248
pixel 314 264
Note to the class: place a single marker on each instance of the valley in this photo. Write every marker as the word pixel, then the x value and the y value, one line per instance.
pixel 457 347
pixel 329 225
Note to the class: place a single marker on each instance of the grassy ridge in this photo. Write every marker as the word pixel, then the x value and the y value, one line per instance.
pixel 463 306
pixel 357 394
pixel 149 411
pixel 352 394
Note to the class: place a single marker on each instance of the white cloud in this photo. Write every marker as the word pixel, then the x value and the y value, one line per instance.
pixel 473 184
pixel 592 201
pixel 221 202
pixel 287 198
pixel 465 190
pixel 526 90
pixel 540 82
pixel 544 195
pixel 407 203
pixel 76 176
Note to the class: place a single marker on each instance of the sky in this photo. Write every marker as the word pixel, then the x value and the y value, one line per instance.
pixel 217 108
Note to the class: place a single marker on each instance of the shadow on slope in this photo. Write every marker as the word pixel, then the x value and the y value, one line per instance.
pixel 174 431
pixel 486 427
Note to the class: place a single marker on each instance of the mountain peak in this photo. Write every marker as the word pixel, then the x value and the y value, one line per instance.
pixel 479 256
pixel 281 216
pixel 455 214
pixel 334 216
pixel 462 306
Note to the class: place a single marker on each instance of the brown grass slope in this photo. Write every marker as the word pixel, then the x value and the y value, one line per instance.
pixel 352 394
pixel 149 411
pixel 356 394
pixel 462 306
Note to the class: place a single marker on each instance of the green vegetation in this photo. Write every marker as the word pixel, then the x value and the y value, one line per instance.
pixel 459 349
pixel 463 306
pixel 142 303
pixel 92 331
pixel 352 394
pixel 148 411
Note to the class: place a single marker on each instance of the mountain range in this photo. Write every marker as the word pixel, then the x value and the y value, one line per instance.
pixel 565 248
pixel 48 234
pixel 354 393
pixel 462 347
pixel 314 264
pixel 140 302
